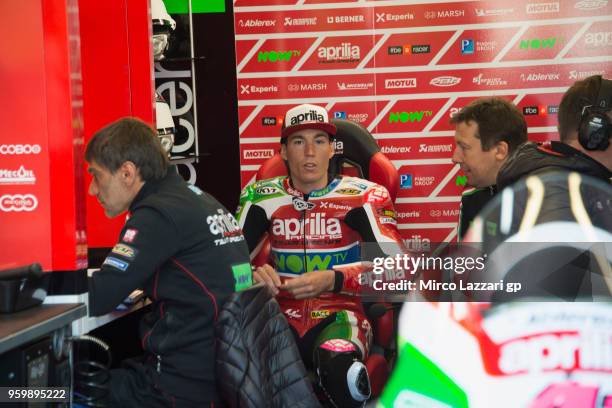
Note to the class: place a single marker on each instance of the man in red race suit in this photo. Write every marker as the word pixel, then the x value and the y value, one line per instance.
pixel 316 222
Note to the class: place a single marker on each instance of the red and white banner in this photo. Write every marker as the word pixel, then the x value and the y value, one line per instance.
pixel 401 70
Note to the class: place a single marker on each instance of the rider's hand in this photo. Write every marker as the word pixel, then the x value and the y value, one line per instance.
pixel 267 275
pixel 310 284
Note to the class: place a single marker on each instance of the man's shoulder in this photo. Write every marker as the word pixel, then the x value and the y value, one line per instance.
pixel 264 189
pixel 356 184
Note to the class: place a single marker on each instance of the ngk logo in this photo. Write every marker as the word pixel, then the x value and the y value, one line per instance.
pixel 258 154
pixel 445 81
pixel 18 202
pixel 400 83
pixel 315 225
pixel 19 149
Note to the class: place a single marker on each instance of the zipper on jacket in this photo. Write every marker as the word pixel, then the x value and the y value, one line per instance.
pixel 158 363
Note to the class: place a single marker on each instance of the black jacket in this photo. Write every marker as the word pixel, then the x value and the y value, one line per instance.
pixel 188 254
pixel 258 361
pixel 533 158
pixel 472 201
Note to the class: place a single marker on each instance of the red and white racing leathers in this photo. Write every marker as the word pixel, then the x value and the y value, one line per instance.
pixel 321 231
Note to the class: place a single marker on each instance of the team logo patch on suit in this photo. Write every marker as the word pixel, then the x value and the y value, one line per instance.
pixel 125 250
pixel 116 263
pixel 129 235
pixel 319 314
pixel 348 191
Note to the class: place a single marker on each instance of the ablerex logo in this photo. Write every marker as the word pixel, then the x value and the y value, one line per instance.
pixel 445 81
pixel 18 202
pixel 275 56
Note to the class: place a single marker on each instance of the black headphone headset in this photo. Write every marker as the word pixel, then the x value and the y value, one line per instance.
pixel 595 128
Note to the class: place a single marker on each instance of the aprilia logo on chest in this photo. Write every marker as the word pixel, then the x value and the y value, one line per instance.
pixel 314 225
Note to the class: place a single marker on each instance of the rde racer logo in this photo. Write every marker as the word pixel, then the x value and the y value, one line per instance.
pixel 18 202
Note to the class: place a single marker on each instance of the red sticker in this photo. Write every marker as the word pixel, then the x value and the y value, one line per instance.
pixel 130 235
pixel 338 345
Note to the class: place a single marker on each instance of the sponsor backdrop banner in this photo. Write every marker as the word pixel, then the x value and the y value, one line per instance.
pixel 402 69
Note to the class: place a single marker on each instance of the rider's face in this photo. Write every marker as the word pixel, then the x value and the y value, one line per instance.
pixel 307 153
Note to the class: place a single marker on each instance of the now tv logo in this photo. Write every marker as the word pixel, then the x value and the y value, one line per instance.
pixel 400 83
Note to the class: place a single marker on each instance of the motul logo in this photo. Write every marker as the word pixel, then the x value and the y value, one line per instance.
pixel 343 52
pixel 539 8
pixel 18 202
pixel 258 154
pixel 315 225
pixel 445 81
pixel 400 83
pixel 19 149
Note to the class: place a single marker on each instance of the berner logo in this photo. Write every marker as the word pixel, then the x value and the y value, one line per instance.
pixel 400 83
pixel 310 116
pixel 445 81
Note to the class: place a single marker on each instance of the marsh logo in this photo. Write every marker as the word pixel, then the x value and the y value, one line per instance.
pixel 258 154
pixel 588 5
pixel 538 43
pixel 345 52
pixel 400 83
pixel 540 8
pixel 599 39
pixel 297 87
pixel 445 81
pixel 276 56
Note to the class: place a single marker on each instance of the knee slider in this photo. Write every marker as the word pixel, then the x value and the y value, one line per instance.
pixel 342 375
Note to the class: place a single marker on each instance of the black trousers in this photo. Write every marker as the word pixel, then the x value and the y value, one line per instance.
pixel 134 385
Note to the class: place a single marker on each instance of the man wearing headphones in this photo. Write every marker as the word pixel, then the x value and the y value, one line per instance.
pixel 584 128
